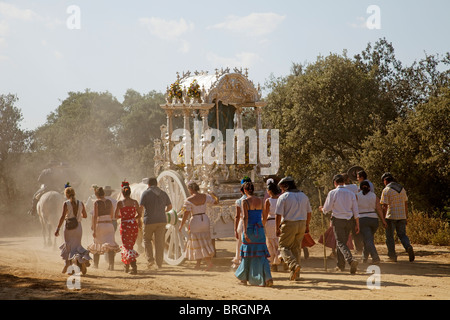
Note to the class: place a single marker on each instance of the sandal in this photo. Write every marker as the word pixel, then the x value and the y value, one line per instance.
pixel 294 273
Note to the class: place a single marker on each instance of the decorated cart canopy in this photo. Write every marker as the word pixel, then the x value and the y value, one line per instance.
pixel 205 101
pixel 230 87
pixel 214 101
pixel 220 97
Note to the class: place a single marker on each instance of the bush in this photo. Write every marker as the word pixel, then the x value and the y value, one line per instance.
pixel 423 229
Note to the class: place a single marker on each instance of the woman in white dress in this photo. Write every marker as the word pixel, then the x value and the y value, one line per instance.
pixel 269 223
pixel 199 246
pixel 71 250
pixel 103 230
pixel 238 225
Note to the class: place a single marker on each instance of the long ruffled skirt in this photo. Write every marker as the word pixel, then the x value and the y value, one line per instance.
pixel 272 243
pixel 104 240
pixel 199 244
pixel 254 267
pixel 237 257
pixel 129 231
pixel 71 249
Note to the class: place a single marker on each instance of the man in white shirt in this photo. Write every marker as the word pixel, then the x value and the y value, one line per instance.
pixel 357 237
pixel 293 214
pixel 343 205
pixel 349 185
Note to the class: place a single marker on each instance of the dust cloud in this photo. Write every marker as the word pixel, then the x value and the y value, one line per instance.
pixel 91 168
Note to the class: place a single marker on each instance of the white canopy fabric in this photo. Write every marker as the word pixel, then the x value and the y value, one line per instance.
pixel 234 87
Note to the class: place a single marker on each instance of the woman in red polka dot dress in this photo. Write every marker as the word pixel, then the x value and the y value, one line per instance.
pixel 129 211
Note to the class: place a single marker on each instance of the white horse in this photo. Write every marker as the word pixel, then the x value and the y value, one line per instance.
pixel 49 210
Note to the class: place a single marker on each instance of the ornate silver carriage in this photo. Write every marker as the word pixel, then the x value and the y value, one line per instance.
pixel 205 101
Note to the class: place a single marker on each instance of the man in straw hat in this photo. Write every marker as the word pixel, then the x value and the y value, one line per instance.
pixel 293 216
pixel 343 205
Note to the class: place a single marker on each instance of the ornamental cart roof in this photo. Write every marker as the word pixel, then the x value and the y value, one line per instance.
pixel 229 86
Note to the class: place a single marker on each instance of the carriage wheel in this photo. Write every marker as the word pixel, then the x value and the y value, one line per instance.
pixel 175 241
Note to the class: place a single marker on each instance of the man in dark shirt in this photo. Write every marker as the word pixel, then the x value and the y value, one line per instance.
pixel 155 203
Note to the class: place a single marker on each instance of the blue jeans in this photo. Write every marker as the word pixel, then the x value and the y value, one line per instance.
pixel 367 228
pixel 342 229
pixel 400 227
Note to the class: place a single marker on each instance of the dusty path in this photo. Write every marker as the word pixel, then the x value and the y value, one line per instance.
pixel 29 271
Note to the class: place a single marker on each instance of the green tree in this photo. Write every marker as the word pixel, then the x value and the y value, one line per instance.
pixel 405 86
pixel 139 126
pixel 412 146
pixel 82 132
pixel 14 142
pixel 416 149
pixel 325 110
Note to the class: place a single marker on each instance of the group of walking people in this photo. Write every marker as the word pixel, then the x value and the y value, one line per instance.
pixel 268 230
pixel 358 212
pixel 106 211
pixel 273 231
pixel 148 215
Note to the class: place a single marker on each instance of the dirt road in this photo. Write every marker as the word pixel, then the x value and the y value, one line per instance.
pixel 30 271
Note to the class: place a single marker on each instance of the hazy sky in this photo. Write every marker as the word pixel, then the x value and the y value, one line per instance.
pixel 48 50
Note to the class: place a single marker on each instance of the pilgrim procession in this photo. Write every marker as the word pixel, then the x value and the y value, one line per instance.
pixel 329 183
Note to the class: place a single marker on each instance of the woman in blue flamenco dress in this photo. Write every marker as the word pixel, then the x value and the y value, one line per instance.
pixel 254 268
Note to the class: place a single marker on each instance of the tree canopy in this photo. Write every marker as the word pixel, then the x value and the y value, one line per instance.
pixel 325 110
pixel 371 111
pixel 416 149
pixel 14 142
pixel 333 113
pixel 105 139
